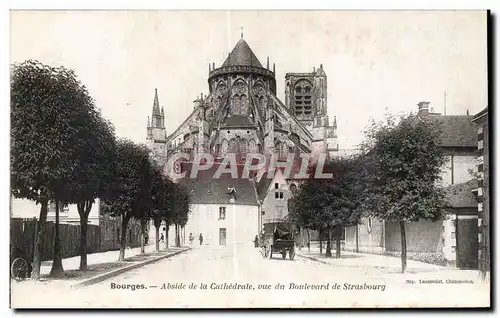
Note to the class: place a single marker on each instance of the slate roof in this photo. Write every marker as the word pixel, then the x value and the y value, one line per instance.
pixel 263 185
pixel 457 130
pixel 481 114
pixel 242 54
pixel 216 191
pixel 461 195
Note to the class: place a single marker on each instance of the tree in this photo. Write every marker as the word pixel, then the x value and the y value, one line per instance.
pixel 181 205
pixel 93 179
pixel 162 197
pixel 49 111
pixel 404 161
pixel 329 205
pixel 130 192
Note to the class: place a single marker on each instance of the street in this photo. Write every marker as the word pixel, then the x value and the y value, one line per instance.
pixel 238 277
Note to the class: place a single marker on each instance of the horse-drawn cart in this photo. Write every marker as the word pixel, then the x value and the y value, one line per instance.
pixel 278 237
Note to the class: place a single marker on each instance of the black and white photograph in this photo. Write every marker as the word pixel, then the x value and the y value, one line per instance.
pixel 199 159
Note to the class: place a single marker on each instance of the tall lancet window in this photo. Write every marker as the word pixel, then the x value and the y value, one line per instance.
pixel 303 97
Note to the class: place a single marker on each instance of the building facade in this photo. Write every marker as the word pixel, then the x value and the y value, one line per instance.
pixel 483 189
pixel 453 237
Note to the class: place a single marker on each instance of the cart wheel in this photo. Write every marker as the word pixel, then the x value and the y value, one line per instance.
pixel 291 254
pixel 283 253
pixel 19 269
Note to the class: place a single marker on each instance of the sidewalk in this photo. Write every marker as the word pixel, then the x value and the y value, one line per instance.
pixel 100 266
pixel 351 259
pixel 73 263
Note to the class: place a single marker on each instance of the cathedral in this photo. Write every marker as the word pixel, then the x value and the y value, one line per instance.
pixel 242 113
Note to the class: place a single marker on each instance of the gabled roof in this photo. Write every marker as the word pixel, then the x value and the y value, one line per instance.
pixel 242 54
pixel 457 131
pixel 461 195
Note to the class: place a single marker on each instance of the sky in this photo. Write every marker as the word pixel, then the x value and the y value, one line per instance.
pixel 375 61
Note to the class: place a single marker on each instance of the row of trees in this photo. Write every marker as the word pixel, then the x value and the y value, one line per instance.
pixel 64 151
pixel 394 178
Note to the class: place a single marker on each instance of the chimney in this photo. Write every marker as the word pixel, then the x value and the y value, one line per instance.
pixel 423 108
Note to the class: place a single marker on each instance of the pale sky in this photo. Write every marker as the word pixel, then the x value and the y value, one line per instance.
pixel 373 60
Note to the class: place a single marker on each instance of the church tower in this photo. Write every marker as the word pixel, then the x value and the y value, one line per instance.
pixel 306 98
pixel 156 132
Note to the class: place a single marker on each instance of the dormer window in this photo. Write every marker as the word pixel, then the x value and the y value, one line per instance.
pixel 232 194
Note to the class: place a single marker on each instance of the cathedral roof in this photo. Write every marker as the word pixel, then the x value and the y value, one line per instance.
pixel 242 54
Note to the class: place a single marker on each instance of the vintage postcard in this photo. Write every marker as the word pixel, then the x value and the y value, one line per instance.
pixel 249 159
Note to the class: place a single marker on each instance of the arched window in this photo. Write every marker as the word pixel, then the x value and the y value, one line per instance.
pixel 252 146
pixel 233 146
pixel 224 147
pixel 278 148
pixel 243 105
pixel 284 150
pixel 243 148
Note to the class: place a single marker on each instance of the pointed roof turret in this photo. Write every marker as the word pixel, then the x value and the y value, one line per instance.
pixel 156 105
pixel 242 54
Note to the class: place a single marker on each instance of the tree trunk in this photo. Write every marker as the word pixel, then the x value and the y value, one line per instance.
pixel 337 247
pixel 143 236
pixel 403 245
pixel 177 238
pixel 57 269
pixel 320 242
pixel 308 241
pixel 328 244
pixel 123 238
pixel 157 238
pixel 83 211
pixel 166 234
pixel 39 236
pixel 357 239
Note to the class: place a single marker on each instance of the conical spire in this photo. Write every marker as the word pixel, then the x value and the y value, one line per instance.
pixel 156 105
pixel 242 54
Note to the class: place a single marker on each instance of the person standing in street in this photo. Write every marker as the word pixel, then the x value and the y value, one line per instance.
pixel 201 239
